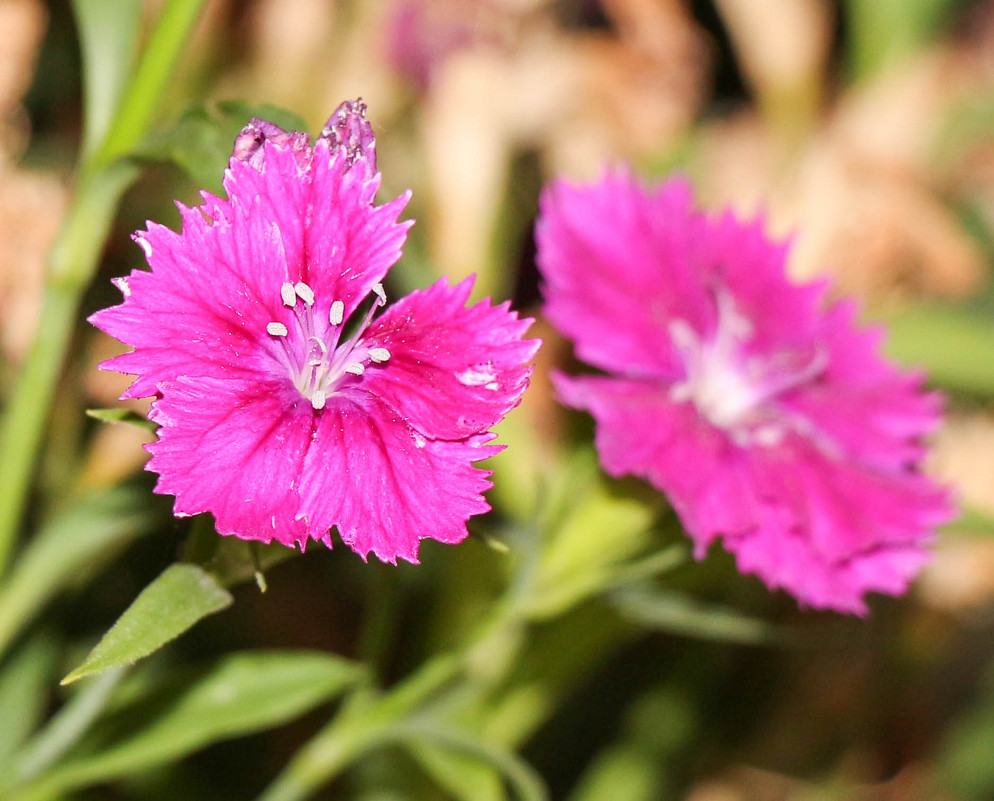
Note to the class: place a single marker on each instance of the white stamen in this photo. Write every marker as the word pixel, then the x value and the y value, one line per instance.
pixel 288 295
pixel 379 355
pixel 276 329
pixel 355 368
pixel 337 313
pixel 318 398
pixel 380 293
pixel 304 292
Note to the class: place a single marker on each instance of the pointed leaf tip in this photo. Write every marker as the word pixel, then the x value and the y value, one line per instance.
pixel 180 597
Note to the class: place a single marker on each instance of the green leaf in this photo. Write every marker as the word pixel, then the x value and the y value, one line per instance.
pixel 108 35
pixel 522 777
pixel 964 762
pixel 464 777
pixel 24 681
pixel 69 724
pixel 676 613
pixel 956 347
pixel 200 141
pixel 175 601
pixel 244 693
pixel 883 32
pixel 77 540
pixel 971 523
pixel 122 416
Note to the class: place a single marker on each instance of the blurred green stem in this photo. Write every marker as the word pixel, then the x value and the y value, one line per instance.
pixel 73 261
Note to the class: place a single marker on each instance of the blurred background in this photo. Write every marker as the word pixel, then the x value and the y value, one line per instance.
pixel 861 129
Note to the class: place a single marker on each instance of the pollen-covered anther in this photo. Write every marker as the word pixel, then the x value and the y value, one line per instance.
pixel 276 329
pixel 355 368
pixel 380 293
pixel 379 355
pixel 336 315
pixel 304 292
pixel 288 295
pixel 318 399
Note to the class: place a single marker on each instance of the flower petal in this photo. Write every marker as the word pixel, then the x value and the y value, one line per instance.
pixel 203 308
pixel 615 262
pixel 351 244
pixel 641 432
pixel 384 486
pixel 453 371
pixel 234 448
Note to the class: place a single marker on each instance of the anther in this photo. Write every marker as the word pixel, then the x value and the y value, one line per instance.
pixel 379 355
pixel 337 313
pixel 276 329
pixel 288 295
pixel 355 368
pixel 380 293
pixel 304 292
pixel 318 398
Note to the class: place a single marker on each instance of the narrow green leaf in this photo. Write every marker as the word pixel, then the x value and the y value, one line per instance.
pixel 108 34
pixel 147 81
pixel 464 777
pixel 956 347
pixel 523 779
pixel 23 684
pixel 200 141
pixel 244 693
pixel 676 613
pixel 77 540
pixel 69 724
pixel 122 416
pixel 175 601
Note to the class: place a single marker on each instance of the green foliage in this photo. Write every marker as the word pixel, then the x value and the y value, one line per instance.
pixel 175 601
pixel 676 613
pixel 883 32
pixel 24 681
pixel 955 347
pixel 108 34
pixel 200 141
pixel 242 693
pixel 121 415
pixel 82 536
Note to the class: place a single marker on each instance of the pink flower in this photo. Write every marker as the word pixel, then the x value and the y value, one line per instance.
pixel 285 405
pixel 759 408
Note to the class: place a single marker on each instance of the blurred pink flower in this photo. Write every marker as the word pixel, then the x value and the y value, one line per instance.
pixel 284 410
pixel 761 410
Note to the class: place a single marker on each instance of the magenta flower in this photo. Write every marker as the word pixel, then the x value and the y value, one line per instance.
pixel 759 408
pixel 285 405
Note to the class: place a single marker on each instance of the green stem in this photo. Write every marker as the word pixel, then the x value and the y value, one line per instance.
pixel 142 96
pixel 74 254
pixel 73 261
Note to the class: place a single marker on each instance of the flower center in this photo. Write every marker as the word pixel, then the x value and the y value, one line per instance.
pixel 733 390
pixel 318 365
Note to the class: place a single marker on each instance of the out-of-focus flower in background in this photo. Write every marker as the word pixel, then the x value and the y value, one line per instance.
pixel 765 415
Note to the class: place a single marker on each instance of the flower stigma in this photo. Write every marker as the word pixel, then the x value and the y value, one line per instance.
pixel 317 362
